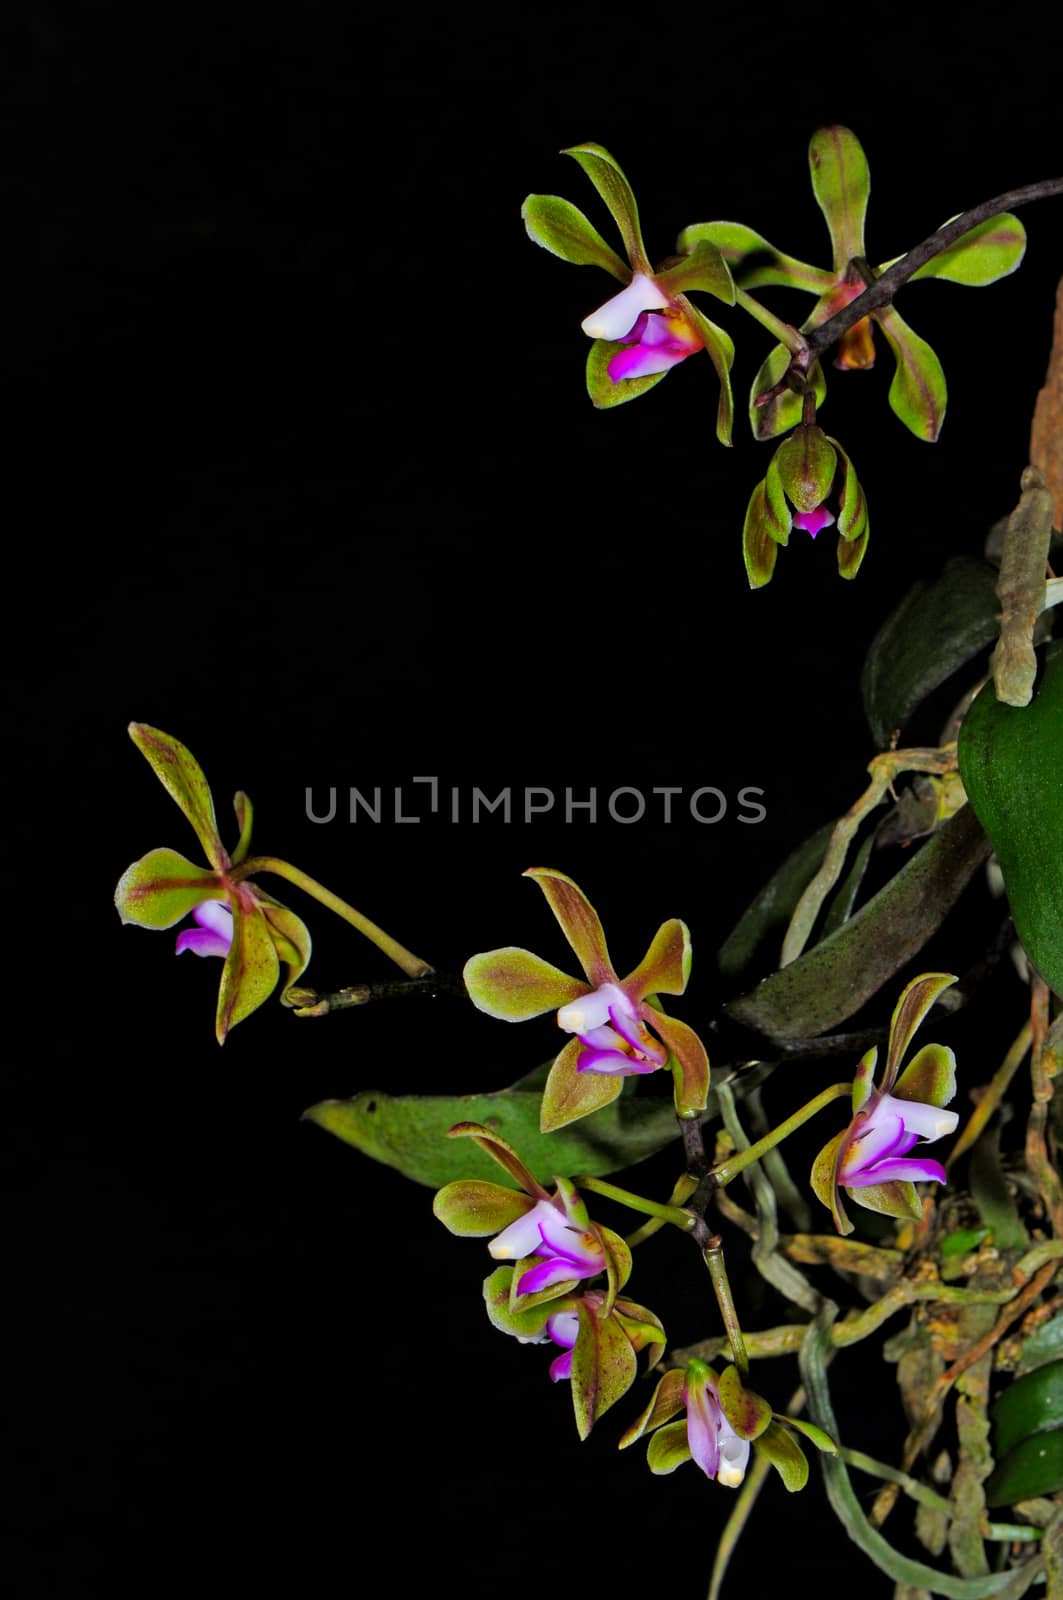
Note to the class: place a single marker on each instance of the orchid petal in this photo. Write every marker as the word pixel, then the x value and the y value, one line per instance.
pixel 579 923
pixel 162 887
pixel 918 393
pixel 824 1179
pixel 615 1063
pixel 605 391
pixel 578 1249
pixel 721 350
pixel 603 1366
pixel 753 261
pixel 897 1198
pixel 546 1275
pixel 929 1078
pixel 760 546
pixel 814 522
pixel 668 1400
pixel 570 1094
pixel 841 182
pixel 920 1120
pixel 182 777
pixel 703 1428
pixel 251 968
pixel 989 252
pixel 871 1137
pixel 563 1328
pixel 917 1168
pixel 915 1001
pixel 646 361
pixel 637 1037
pixel 665 968
pixel 561 1367
pixel 513 985
pixel 214 934
pixel 668 1449
pixel 476 1209
pixel 522 1237
pixel 863 1078
pixel 692 1080
pixel 611 183
pixel 618 316
pixel 851 552
pixel 591 1012
pixel 705 269
pixel 561 228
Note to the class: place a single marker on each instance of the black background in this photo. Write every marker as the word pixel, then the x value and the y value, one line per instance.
pixel 309 479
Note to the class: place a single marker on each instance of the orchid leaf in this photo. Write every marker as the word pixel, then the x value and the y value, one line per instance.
pixel 834 979
pixel 989 252
pixel 918 393
pixel 935 630
pixel 409 1132
pixel 753 261
pixel 603 391
pixel 182 777
pixel 1011 763
pixel 610 182
pixel 603 1366
pixel 766 919
pixel 1033 1468
pixel 562 229
pixel 1028 1405
pixel 162 887
pixel 841 183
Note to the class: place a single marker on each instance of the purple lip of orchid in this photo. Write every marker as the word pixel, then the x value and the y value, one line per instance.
pixel 607 1024
pixel 563 1329
pixel 882 1137
pixel 657 334
pixel 214 935
pixel 814 522
pixel 714 1444
pixel 567 1251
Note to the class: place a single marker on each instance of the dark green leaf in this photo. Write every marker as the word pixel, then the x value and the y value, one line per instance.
pixel 1034 1467
pixel 768 916
pixel 1011 763
pixel 833 980
pixel 937 628
pixel 1032 1404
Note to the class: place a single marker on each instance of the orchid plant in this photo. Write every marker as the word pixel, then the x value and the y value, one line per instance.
pixel 970 1254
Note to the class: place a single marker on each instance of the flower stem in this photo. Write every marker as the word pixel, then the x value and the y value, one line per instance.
pixel 743 1158
pixel 412 965
pixel 636 1202
pixel 785 332
pixel 713 1256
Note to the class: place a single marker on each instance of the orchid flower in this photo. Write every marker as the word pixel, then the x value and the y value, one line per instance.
pixel 235 919
pixel 810 484
pixel 723 1422
pixel 870 1159
pixel 651 325
pixel 617 1031
pixel 841 183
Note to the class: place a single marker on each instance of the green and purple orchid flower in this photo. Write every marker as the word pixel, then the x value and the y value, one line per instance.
pixel 557 1248
pixel 724 1422
pixel 618 1030
pixel 235 919
pixel 841 183
pixel 870 1159
pixel 651 325
pixel 810 484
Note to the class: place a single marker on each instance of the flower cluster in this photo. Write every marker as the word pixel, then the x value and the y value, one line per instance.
pixel 618 1030
pixel 870 1158
pixel 547 1295
pixel 810 484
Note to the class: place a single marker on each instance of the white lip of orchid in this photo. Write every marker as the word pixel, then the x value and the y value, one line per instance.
pixel 925 1121
pixel 734 1456
pixel 619 315
pixel 592 1010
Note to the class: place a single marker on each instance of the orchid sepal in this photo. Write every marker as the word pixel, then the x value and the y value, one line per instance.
pixel 475 1208
pixel 182 777
pixel 561 228
pixel 604 1365
pixel 162 887
pixel 514 985
pixel 612 185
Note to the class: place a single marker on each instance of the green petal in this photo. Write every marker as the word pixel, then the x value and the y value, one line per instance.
pixel 251 968
pixel 806 463
pixel 603 391
pixel 615 190
pixel 991 251
pixel 570 1095
pixel 692 1062
pixel 863 1078
pixel 930 1077
pixel 851 553
pixel 562 229
pixel 291 938
pixel 579 923
pixel 617 1263
pixel 704 268
pixel 785 1455
pixel 778 518
pixel 720 347
pixel 852 513
pixel 182 777
pixel 665 968
pixel 754 262
pixel 538 1297
pixel 476 1209
pixel 642 1327
pixel 245 816
pixel 667 1401
pixel 513 985
pixel 668 1448
pixel 162 887
pixel 918 393
pixel 522 1324
pixel 492 1144
pixel 748 1413
pixel 895 1199
pixel 759 546
pixel 916 999
pixel 816 1436
pixel 603 1367
pixel 841 182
